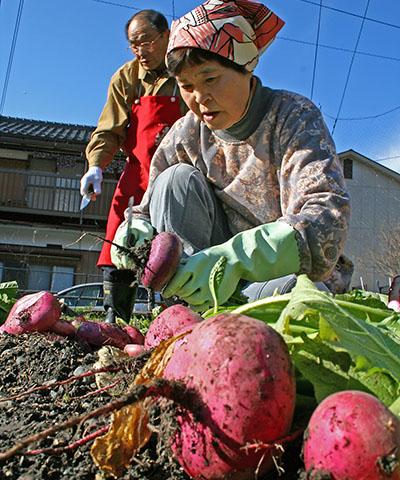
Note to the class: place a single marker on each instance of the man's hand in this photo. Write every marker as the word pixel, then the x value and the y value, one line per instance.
pixel 129 234
pixel 91 182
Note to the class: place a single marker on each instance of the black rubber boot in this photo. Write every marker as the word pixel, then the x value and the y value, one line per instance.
pixel 119 294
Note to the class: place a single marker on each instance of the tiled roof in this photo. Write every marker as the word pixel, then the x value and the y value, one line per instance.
pixel 41 130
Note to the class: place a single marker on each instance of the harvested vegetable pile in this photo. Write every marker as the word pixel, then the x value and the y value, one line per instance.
pixel 37 359
pixel 218 397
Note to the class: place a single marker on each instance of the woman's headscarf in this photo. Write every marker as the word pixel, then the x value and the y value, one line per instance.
pixel 239 30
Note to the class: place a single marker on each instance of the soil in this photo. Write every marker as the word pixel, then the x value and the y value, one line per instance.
pixel 28 361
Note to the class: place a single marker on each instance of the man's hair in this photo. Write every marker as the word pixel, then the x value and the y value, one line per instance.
pixel 189 56
pixel 154 18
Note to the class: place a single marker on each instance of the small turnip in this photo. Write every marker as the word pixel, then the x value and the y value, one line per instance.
pixel 352 436
pixel 99 334
pixel 170 322
pixel 165 254
pixel 240 375
pixel 37 312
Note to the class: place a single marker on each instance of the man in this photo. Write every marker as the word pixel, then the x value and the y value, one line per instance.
pixel 141 106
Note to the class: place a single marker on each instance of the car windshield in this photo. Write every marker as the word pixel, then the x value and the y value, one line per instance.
pixel 88 296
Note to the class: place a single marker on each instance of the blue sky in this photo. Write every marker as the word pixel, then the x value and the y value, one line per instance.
pixel 67 50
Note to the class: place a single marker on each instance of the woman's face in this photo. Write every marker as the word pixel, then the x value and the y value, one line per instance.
pixel 218 95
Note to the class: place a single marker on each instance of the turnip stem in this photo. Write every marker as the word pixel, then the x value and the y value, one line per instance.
pixel 71 446
pixel 161 387
pixel 62 382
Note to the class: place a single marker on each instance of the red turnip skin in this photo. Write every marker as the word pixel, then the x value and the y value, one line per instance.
pixel 165 254
pixel 37 312
pixel 135 334
pixel 170 322
pixel 243 385
pixel 352 436
pixel 99 334
pixel 64 328
pixel 134 350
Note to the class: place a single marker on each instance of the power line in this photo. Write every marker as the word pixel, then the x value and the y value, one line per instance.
pixel 370 117
pixel 386 158
pixel 173 9
pixel 316 50
pixel 122 5
pixel 331 47
pixel 11 57
pixel 350 67
pixel 381 22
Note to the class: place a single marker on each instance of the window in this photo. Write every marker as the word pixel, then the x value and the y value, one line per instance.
pixel 348 168
pixel 39 277
pixel 63 277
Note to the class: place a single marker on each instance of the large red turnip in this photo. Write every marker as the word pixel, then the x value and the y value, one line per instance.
pixel 170 322
pixel 352 436
pixel 37 312
pixel 241 379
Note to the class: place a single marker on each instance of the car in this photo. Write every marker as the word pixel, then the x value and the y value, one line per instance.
pixel 88 297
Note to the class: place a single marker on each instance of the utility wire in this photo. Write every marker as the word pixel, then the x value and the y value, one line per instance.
pixel 350 67
pixel 173 9
pixel 321 45
pixel 11 57
pixel 370 117
pixel 316 49
pixel 122 5
pixel 381 22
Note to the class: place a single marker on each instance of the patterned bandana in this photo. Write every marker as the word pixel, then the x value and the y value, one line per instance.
pixel 239 30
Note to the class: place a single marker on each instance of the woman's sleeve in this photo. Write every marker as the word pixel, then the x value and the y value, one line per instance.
pixel 314 199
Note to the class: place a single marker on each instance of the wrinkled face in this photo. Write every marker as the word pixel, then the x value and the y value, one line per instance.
pixel 147 43
pixel 217 94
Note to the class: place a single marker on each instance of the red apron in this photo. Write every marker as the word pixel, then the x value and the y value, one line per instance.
pixel 151 117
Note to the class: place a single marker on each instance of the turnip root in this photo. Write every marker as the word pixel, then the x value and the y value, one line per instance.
pixel 170 322
pixel 135 334
pixel 165 254
pixel 37 312
pixel 352 436
pixel 134 350
pixel 241 377
pixel 64 328
pixel 98 334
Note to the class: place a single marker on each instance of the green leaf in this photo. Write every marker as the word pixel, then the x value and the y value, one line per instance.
pixel 215 280
pixel 357 336
pixel 8 295
pixel 326 377
pixel 267 309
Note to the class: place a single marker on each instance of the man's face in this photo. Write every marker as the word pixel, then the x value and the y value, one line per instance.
pixel 148 44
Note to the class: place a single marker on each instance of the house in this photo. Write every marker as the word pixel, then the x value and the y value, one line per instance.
pixel 46 242
pixel 375 212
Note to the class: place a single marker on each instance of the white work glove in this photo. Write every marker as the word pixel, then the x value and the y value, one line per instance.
pixel 130 235
pixel 93 177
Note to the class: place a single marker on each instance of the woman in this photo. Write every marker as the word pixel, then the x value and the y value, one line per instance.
pixel 250 173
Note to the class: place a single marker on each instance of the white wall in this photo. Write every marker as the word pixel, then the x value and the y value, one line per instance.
pixel 375 203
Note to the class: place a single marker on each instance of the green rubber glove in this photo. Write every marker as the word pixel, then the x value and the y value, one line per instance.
pixel 259 254
pixel 129 234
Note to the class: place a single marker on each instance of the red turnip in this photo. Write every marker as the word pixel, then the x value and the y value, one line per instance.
pixel 64 328
pixel 136 336
pixel 134 350
pixel 170 322
pixel 165 254
pixel 98 334
pixel 352 436
pixel 239 373
pixel 37 312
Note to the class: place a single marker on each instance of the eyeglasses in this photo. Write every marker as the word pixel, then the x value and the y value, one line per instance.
pixel 149 45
